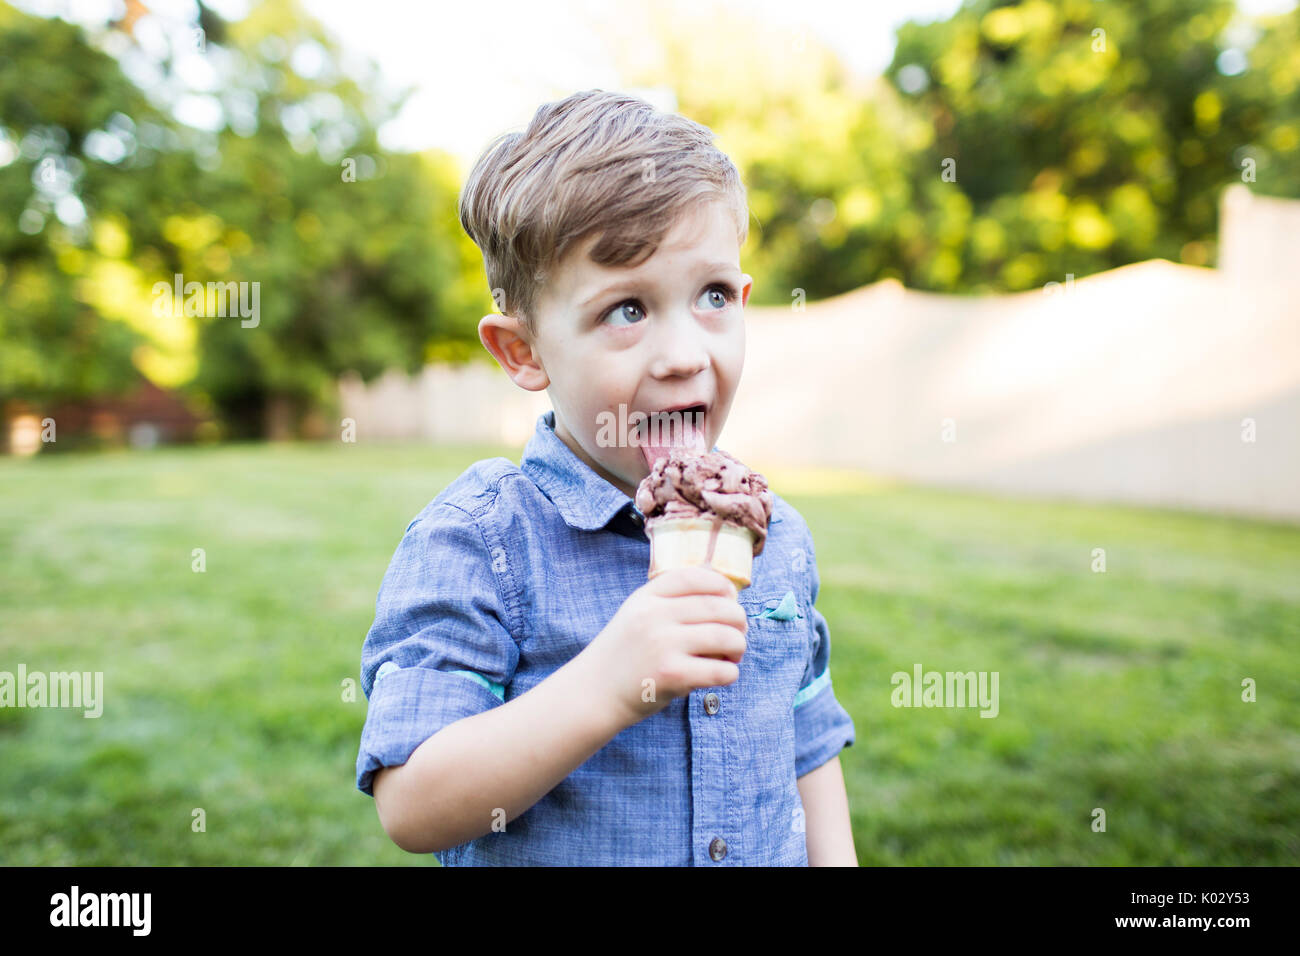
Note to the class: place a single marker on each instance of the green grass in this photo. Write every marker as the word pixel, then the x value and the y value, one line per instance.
pixel 223 690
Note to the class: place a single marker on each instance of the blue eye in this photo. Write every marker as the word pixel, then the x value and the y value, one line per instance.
pixel 629 312
pixel 636 313
pixel 719 296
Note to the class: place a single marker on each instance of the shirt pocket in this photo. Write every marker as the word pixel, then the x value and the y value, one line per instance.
pixel 778 642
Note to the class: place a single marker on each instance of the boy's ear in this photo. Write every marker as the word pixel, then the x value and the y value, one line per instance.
pixel 505 337
pixel 744 292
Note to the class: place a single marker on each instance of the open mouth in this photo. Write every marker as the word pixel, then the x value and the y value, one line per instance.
pixel 683 428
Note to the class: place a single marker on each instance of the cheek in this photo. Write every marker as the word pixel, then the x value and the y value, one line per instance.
pixel 601 386
pixel 610 391
pixel 733 359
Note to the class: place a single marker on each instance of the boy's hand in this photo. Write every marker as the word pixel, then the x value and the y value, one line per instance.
pixel 682 630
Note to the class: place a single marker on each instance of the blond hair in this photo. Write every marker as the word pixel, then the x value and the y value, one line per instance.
pixel 593 162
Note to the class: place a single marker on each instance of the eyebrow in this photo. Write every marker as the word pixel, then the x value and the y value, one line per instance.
pixel 626 284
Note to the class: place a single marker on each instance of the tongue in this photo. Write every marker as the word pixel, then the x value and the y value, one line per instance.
pixel 673 431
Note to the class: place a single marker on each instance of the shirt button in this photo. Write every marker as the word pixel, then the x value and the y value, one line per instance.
pixel 711 704
pixel 718 848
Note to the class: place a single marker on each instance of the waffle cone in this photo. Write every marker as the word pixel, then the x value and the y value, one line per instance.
pixel 690 542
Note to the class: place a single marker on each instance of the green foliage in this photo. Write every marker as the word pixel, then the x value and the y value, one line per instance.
pixel 55 92
pixel 358 264
pixel 358 258
pixel 1087 135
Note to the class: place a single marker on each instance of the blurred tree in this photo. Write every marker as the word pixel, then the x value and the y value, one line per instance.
pixel 82 152
pixel 1263 91
pixel 1079 135
pixel 357 262
pixel 275 180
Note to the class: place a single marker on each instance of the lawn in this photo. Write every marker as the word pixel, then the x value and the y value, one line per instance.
pixel 223 690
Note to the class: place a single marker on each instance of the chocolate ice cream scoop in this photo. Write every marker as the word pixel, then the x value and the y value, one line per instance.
pixel 683 484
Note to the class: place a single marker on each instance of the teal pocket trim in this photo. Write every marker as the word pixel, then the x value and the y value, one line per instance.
pixel 498 690
pixel 787 610
pixel 813 689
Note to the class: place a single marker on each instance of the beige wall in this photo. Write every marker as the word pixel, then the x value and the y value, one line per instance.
pixel 1130 385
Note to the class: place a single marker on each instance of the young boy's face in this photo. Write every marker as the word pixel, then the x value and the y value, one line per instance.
pixel 662 335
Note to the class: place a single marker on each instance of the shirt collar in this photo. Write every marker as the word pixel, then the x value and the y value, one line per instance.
pixel 585 500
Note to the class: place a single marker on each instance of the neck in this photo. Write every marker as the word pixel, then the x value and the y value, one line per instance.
pixel 562 433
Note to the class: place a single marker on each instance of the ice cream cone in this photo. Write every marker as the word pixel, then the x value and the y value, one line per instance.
pixel 689 542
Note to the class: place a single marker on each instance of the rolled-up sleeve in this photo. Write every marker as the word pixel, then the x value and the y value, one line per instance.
pixel 822 727
pixel 440 647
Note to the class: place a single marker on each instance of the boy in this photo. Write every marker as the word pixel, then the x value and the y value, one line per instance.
pixel 532 699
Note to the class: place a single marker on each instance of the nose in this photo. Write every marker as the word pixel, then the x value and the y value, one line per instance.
pixel 679 349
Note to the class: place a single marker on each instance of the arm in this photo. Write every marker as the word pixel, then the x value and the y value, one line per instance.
pixel 826 816
pixel 508 757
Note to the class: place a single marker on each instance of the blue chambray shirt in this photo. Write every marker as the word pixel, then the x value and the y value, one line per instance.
pixel 506 576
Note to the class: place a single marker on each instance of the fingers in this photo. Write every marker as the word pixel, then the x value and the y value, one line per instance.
pixel 694 580
pixel 709 609
pixel 715 641
pixel 706 672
